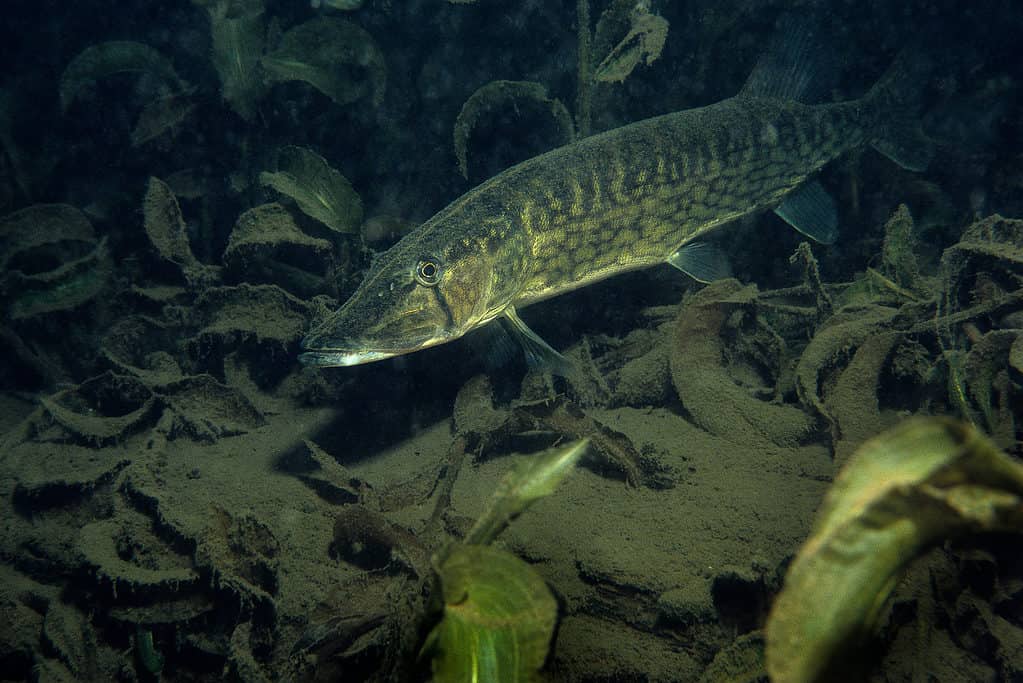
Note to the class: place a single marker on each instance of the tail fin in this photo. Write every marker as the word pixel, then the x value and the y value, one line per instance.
pixel 895 101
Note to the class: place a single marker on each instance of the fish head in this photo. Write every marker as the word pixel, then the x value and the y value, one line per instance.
pixel 418 294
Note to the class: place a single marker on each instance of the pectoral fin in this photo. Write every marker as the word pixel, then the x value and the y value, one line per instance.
pixel 811 210
pixel 702 262
pixel 539 353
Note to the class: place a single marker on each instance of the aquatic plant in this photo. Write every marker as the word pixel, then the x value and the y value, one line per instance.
pixel 106 59
pixel 320 191
pixel 498 615
pixel 925 481
pixel 238 30
pixel 335 56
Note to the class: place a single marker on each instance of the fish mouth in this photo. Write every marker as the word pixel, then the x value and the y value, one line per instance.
pixel 336 359
pixel 321 354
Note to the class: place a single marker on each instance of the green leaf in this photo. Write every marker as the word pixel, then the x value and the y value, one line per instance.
pixel 533 479
pixel 106 59
pixel 643 43
pixel 927 480
pixel 238 33
pixel 335 56
pixel 498 620
pixel 319 190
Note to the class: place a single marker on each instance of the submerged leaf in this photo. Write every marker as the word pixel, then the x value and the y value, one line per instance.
pixel 535 478
pixel 166 229
pixel 66 287
pixel 498 619
pixel 106 59
pixel 319 190
pixel 335 56
pixel 160 116
pixel 497 94
pixel 643 43
pixel 238 34
pixel 925 481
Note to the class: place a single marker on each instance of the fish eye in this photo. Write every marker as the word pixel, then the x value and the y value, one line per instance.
pixel 428 272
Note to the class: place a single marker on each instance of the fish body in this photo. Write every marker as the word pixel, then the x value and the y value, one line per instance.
pixel 629 198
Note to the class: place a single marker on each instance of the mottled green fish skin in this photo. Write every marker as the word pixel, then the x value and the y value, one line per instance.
pixel 613 202
pixel 630 197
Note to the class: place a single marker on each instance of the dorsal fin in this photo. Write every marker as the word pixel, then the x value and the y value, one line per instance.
pixel 796 66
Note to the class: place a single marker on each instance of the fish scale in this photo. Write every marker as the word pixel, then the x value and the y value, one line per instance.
pixel 643 191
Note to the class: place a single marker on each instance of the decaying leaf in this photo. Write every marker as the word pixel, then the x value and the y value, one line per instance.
pixel 267 246
pixel 116 56
pixel 643 43
pixel 162 115
pixel 335 56
pixel 67 286
pixel 911 487
pixel 319 190
pixel 499 617
pixel 166 229
pixel 238 32
pixel 710 394
pixel 61 227
pixel 495 95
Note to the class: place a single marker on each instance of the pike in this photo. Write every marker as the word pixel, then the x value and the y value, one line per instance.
pixel 629 198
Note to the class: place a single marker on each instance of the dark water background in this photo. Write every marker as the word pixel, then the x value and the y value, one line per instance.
pixel 399 158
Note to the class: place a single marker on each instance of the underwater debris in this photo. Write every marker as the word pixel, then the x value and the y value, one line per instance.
pixel 106 59
pixel 203 409
pixel 162 115
pixel 812 280
pixel 985 374
pixel 335 56
pixel 143 347
pixel 166 229
pixel 369 540
pixel 70 635
pixel 927 480
pixel 103 410
pixel 263 314
pixel 982 282
pixel 898 256
pixel 643 43
pixel 130 563
pixel 709 392
pixel 66 477
pixel 832 346
pixel 50 260
pixel 238 32
pixel 318 189
pixel 267 246
pixel 498 94
pixel 329 479
pixel 66 287
pixel 474 416
pixel 608 448
pixel 245 555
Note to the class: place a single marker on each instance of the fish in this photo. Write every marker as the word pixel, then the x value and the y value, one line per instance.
pixel 644 194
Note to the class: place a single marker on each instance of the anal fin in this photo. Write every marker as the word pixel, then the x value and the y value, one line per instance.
pixel 811 210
